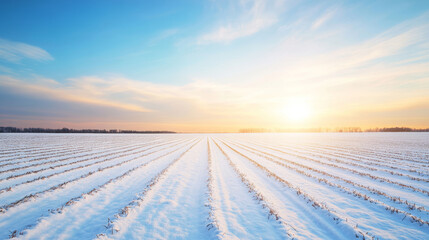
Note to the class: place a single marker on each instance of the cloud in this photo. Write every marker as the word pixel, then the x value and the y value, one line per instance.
pixel 88 90
pixel 16 51
pixel 323 19
pixel 121 100
pixel 406 39
pixel 313 61
pixel 134 96
pixel 117 102
pixel 251 17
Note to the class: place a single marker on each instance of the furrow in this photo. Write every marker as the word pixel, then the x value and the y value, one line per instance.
pixel 103 160
pixel 355 193
pixel 378 178
pixel 69 220
pixel 330 225
pixel 126 224
pixel 35 195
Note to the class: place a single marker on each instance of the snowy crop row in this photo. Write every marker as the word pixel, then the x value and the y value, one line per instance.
pixel 214 186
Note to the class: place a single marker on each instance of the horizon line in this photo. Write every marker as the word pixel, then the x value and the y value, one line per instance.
pixel 10 129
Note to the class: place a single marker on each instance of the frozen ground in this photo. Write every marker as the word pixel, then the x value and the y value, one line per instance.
pixel 214 186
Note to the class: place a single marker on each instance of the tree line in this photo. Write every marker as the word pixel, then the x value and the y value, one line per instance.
pixel 338 129
pixel 70 130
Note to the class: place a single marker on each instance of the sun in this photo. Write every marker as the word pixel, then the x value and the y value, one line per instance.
pixel 297 110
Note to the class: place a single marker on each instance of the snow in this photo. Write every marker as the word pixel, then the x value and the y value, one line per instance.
pixel 214 186
pixel 239 214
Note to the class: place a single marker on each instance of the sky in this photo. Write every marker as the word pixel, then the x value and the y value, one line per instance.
pixel 214 66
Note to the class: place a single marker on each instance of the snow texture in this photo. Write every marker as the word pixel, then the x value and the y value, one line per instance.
pixel 214 186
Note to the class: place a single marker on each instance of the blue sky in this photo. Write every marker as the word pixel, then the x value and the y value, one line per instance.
pixel 96 37
pixel 240 54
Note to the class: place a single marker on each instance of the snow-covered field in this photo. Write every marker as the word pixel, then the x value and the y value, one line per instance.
pixel 210 186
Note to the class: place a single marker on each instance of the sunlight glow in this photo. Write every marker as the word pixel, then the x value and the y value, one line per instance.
pixel 297 110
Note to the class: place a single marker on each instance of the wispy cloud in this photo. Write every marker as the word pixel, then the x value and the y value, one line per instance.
pixel 87 90
pixel 323 19
pixel 384 54
pixel 251 17
pixel 16 51
pixel 146 102
pixel 129 94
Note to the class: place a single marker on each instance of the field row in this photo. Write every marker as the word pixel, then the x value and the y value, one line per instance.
pixel 218 186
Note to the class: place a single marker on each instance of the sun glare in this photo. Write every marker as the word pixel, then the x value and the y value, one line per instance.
pixel 297 110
